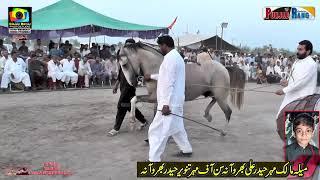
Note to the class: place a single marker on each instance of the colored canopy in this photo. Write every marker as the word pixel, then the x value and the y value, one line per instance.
pixel 67 18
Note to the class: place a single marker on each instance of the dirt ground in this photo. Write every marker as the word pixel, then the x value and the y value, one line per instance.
pixel 70 128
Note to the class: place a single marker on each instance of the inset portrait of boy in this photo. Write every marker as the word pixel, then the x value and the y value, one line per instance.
pixel 302 140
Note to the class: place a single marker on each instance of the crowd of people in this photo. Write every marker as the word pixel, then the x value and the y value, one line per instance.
pixel 58 66
pixel 63 66
pixel 266 68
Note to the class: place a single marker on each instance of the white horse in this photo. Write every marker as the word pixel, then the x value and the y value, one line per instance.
pixel 210 79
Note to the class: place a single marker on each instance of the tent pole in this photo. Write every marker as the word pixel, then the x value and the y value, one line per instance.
pixel 90 35
pixel 216 38
pixel 60 39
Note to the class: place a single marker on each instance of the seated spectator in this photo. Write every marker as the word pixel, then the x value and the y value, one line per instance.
pixel 111 69
pixel 15 71
pixel 54 51
pixel 277 69
pixel 23 49
pixel 64 49
pixel 37 72
pixel 77 61
pixel 272 77
pixel 55 71
pixel 270 69
pixel 85 70
pixel 97 71
pixel 85 51
pixel 69 68
pixel 260 76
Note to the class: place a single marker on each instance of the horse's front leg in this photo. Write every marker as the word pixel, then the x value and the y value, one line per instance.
pixel 132 121
pixel 134 101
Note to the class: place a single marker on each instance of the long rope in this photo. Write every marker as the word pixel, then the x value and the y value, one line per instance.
pixel 237 89
pixel 219 130
pixel 215 129
pixel 253 90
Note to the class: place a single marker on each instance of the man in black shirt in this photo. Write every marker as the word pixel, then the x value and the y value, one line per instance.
pixel 127 93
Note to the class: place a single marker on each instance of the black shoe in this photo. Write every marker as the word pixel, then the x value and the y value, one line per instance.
pixel 28 89
pixel 182 154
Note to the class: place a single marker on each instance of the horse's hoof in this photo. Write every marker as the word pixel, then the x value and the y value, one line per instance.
pixel 208 117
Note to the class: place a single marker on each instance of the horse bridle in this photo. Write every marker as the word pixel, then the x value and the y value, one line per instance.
pixel 136 74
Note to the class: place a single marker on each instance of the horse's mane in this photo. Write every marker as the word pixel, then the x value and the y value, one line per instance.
pixel 141 45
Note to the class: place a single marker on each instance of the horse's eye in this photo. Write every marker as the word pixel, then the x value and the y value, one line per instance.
pixel 124 66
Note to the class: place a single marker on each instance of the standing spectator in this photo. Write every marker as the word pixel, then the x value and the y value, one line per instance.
pixel 23 49
pixel 105 52
pixel 97 70
pixel 14 47
pixel 69 68
pixel 258 59
pixel 15 71
pixel 94 50
pixel 2 47
pixel 51 45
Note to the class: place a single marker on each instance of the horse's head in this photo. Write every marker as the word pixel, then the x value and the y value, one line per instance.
pixel 136 59
pixel 129 62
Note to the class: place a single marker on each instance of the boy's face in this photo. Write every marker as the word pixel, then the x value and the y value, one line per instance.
pixel 303 134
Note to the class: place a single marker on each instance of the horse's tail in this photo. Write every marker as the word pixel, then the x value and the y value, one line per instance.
pixel 237 83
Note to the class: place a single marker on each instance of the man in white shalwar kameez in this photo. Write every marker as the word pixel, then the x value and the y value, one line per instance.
pixel 55 71
pixel 85 70
pixel 15 71
pixel 302 78
pixel 170 97
pixel 5 57
pixel 69 68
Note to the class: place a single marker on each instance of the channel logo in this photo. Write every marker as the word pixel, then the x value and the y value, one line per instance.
pixel 19 20
pixel 19 15
pixel 289 13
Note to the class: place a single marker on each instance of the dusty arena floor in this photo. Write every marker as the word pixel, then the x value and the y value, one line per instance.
pixel 70 128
